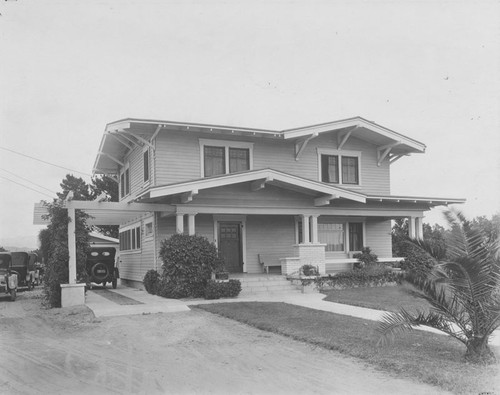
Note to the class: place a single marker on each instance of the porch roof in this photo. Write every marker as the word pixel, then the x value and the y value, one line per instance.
pixel 323 193
pixel 429 201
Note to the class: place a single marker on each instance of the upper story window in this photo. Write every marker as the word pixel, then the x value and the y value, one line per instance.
pixel 224 157
pixel 125 181
pixel 146 164
pixel 339 167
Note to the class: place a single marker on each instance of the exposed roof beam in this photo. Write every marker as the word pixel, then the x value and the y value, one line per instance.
pixel 117 137
pixel 135 142
pixel 343 137
pixel 303 143
pixel 112 158
pixel 159 127
pixel 188 196
pixel 144 141
pixel 324 200
pixel 260 184
pixel 386 150
pixel 394 158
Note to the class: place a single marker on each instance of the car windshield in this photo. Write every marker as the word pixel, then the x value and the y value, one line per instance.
pixel 4 261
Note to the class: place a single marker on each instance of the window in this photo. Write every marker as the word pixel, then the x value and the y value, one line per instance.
pixel 130 239
pixel 148 229
pixel 215 161
pixel 350 170
pixel 332 235
pixel 339 167
pixel 224 157
pixel 330 168
pixel 125 182
pixel 146 165
pixel 355 236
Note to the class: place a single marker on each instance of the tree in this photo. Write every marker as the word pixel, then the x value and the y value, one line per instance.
pixel 2 249
pixel 463 291
pixel 81 190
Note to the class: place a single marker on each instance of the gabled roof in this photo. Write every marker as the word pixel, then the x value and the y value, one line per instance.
pixel 123 135
pixel 322 192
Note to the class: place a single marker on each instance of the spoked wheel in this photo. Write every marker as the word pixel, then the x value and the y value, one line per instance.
pixel 13 295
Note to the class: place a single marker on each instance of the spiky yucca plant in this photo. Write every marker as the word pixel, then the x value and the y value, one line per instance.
pixel 462 289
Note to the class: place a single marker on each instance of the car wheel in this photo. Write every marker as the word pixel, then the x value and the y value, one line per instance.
pixel 99 272
pixel 114 283
pixel 13 295
pixel 104 284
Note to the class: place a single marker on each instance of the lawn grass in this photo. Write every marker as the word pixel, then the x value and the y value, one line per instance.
pixel 419 355
pixel 379 298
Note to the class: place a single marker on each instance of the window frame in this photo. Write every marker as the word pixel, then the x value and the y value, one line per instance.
pixel 125 181
pixel 146 165
pixel 227 145
pixel 148 234
pixel 339 154
pixel 130 238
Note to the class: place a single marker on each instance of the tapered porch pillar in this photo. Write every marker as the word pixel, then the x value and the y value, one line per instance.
pixel 72 245
pixel 419 228
pixel 305 229
pixel 191 224
pixel 179 223
pixel 411 228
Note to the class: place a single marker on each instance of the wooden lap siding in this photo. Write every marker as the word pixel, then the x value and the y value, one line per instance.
pixel 177 159
pixel 378 237
pixel 271 236
pixel 134 265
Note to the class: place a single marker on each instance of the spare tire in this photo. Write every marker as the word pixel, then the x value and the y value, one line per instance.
pixel 99 271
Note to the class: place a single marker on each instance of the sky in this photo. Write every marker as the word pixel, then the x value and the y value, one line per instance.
pixel 427 69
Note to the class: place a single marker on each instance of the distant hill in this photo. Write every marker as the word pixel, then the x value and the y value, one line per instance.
pixel 15 249
pixel 22 243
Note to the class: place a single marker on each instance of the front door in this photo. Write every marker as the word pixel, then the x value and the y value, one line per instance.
pixel 230 246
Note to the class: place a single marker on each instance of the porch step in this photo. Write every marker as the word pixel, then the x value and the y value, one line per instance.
pixel 253 285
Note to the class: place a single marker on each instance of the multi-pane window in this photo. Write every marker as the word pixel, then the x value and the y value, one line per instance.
pixel 130 239
pixel 214 161
pixel 225 159
pixel 339 169
pixel 146 165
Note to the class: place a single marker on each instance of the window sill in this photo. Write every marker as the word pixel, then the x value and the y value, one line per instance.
pixel 130 252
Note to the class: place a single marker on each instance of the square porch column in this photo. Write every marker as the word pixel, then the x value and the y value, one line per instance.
pixel 305 229
pixel 191 224
pixel 314 229
pixel 411 228
pixel 179 223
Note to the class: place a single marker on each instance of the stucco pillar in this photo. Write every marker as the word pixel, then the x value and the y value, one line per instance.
pixel 179 223
pixel 314 229
pixel 305 229
pixel 191 224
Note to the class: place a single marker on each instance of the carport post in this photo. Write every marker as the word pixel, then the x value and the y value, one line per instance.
pixel 72 245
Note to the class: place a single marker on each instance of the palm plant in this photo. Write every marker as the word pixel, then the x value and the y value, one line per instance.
pixel 462 289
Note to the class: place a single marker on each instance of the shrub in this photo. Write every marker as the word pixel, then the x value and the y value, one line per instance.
pixel 416 259
pixel 365 258
pixel 226 289
pixel 375 275
pixel 309 270
pixel 151 281
pixel 188 263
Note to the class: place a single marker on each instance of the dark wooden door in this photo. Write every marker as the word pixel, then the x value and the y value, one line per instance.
pixel 230 246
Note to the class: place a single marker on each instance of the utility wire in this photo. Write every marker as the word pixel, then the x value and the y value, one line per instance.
pixel 15 182
pixel 31 182
pixel 43 161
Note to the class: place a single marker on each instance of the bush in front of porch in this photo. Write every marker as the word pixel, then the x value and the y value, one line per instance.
pixel 188 265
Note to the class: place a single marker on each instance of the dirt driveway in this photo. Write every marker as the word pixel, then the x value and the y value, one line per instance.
pixel 66 351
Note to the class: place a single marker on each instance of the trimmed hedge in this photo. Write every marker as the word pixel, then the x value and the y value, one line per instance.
pixel 226 289
pixel 151 281
pixel 375 275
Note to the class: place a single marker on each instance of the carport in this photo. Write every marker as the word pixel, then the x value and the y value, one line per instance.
pixel 100 213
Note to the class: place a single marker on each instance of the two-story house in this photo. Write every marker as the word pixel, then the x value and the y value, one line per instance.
pixel 314 194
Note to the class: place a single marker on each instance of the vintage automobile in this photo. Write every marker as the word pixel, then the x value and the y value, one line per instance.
pixel 25 271
pixel 101 267
pixel 8 279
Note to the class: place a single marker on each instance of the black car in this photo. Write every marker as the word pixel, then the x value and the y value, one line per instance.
pixel 24 269
pixel 8 279
pixel 100 266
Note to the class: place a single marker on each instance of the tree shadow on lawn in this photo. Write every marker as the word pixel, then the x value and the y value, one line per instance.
pixel 427 357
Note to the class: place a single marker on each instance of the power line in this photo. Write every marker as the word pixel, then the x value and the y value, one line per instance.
pixel 25 179
pixel 15 182
pixel 43 161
